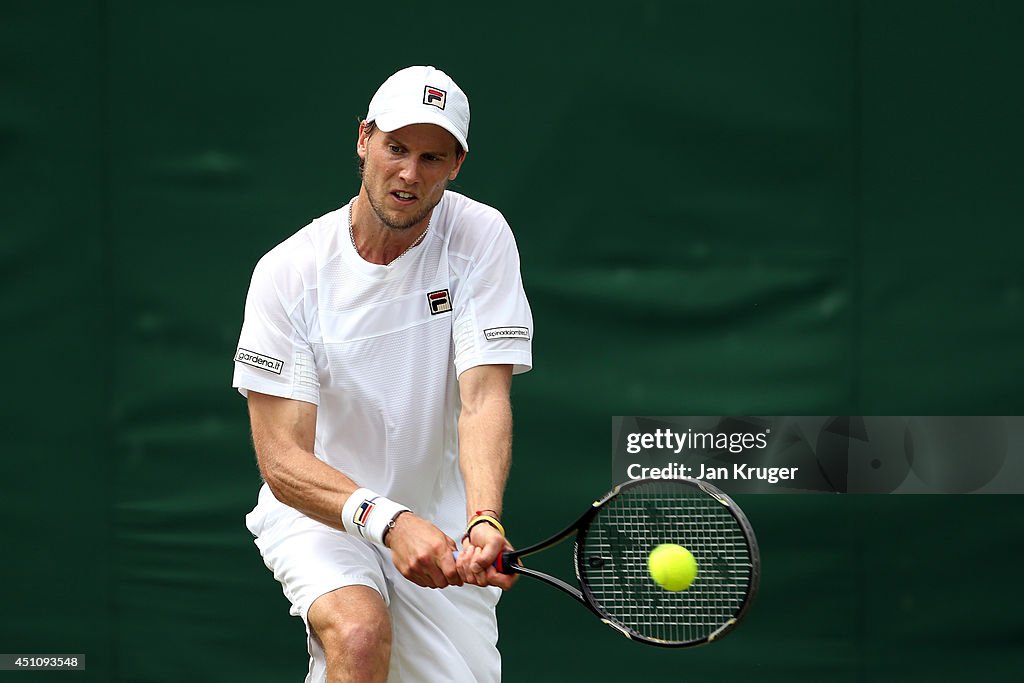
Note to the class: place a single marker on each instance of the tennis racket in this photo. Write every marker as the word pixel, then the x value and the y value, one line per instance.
pixel 614 538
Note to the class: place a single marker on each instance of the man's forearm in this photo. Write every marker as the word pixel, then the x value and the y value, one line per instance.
pixel 283 433
pixel 485 446
pixel 299 479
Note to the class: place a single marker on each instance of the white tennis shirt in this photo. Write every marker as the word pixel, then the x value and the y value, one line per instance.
pixel 379 348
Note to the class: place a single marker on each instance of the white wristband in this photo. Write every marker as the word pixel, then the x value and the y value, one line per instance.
pixel 367 514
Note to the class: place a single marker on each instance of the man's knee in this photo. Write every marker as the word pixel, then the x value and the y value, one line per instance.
pixel 357 638
pixel 352 624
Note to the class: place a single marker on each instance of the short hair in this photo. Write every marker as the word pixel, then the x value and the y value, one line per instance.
pixel 370 127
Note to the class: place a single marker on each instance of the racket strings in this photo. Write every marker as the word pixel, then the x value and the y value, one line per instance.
pixel 613 562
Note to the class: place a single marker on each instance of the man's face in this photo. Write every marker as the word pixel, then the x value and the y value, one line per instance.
pixel 406 171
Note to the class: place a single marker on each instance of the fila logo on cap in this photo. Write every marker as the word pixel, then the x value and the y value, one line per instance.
pixel 434 96
pixel 439 301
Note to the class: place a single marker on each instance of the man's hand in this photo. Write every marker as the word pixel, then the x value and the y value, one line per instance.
pixel 480 550
pixel 422 552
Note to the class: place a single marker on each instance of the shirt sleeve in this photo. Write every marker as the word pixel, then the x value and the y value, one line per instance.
pixel 493 323
pixel 274 355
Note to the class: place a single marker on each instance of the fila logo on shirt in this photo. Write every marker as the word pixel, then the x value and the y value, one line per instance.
pixel 434 96
pixel 439 301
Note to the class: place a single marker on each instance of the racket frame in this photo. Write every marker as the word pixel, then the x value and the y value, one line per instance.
pixel 508 562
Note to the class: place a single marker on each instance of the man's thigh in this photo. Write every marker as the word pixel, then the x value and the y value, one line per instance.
pixel 350 605
pixel 443 635
pixel 353 630
pixel 310 559
pixel 438 635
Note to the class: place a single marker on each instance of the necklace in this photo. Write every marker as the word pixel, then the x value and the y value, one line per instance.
pixel 352 235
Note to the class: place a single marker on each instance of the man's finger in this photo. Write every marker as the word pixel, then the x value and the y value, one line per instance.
pixel 502 581
pixel 448 568
pixel 475 571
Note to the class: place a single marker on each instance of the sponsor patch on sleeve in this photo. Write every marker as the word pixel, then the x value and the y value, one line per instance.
pixel 258 360
pixel 493 333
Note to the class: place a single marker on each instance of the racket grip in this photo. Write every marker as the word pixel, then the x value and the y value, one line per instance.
pixel 503 564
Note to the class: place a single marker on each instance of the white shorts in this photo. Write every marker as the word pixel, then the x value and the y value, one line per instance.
pixel 447 635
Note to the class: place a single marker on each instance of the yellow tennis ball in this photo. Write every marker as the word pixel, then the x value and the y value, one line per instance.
pixel 672 567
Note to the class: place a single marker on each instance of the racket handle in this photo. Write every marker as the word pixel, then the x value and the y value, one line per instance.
pixel 503 564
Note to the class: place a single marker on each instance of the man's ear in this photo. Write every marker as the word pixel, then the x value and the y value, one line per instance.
pixel 361 141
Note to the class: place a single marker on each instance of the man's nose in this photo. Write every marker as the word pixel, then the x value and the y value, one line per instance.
pixel 410 171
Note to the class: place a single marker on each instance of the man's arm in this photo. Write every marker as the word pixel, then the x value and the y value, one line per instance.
pixel 485 455
pixel 283 433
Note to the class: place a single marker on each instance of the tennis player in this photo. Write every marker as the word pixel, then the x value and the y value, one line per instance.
pixel 376 355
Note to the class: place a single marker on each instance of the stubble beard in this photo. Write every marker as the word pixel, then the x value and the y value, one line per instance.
pixel 397 225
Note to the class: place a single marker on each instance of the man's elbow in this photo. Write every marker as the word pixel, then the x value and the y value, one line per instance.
pixel 272 475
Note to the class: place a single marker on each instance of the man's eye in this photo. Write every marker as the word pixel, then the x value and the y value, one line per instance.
pixel 395 149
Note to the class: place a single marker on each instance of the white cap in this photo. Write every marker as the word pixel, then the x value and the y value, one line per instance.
pixel 421 94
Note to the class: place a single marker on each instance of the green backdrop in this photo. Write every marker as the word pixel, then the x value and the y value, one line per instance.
pixel 723 207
